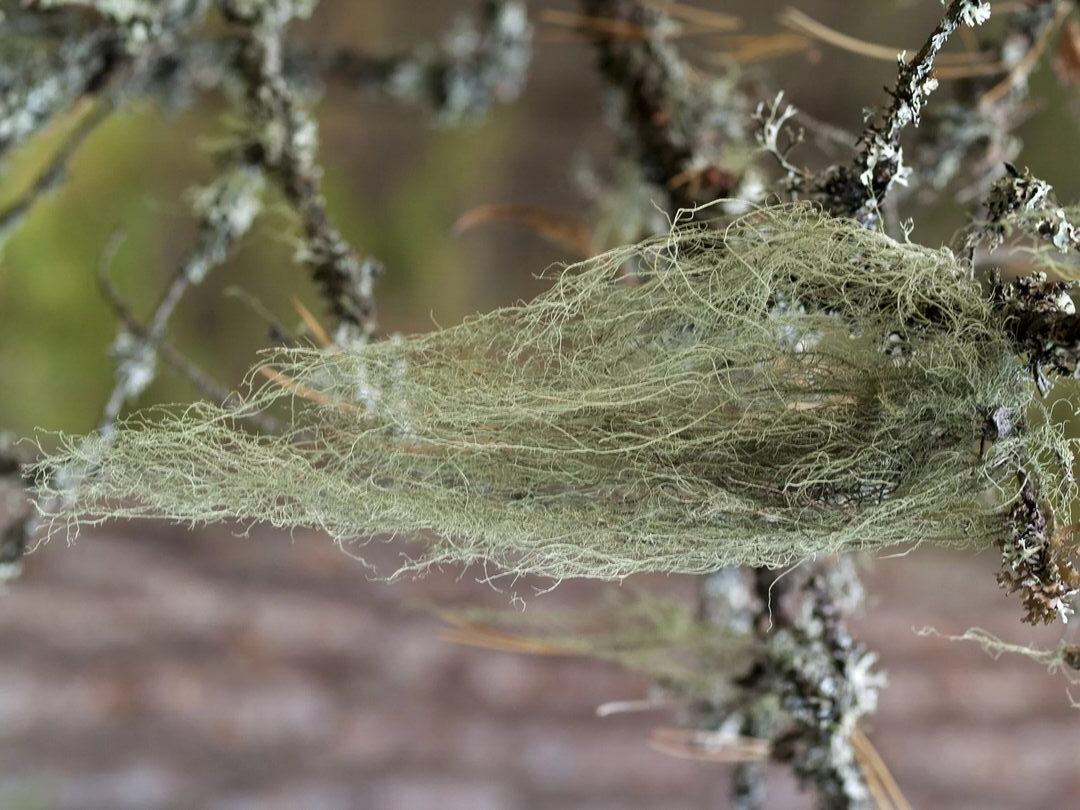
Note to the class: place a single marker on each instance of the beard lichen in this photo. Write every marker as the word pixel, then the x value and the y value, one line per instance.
pixel 784 386
pixel 659 636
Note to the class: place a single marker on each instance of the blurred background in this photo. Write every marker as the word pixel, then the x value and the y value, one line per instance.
pixel 152 667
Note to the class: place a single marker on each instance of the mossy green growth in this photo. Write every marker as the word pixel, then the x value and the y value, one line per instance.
pixel 779 387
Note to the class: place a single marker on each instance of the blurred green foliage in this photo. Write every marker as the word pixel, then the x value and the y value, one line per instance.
pixel 134 175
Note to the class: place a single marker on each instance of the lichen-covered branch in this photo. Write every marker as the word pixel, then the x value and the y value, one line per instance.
pixel 18 519
pixel 56 54
pixel 810 682
pixel 1020 202
pixel 59 51
pixel 967 137
pixel 1039 314
pixel 1033 561
pixel 43 74
pixel 668 116
pixel 226 209
pixel 1040 317
pixel 282 139
pixel 858 190
pixel 476 66
pixel 825 682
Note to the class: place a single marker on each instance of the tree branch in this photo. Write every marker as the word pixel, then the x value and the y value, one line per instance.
pixel 859 189
pixel 283 141
pixel 663 109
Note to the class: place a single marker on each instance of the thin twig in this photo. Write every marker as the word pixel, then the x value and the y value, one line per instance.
pixel 156 345
pixel 54 172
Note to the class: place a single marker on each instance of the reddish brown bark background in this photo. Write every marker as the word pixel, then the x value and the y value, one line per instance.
pixel 147 667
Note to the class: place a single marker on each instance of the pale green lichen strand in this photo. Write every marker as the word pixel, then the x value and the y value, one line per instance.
pixel 715 414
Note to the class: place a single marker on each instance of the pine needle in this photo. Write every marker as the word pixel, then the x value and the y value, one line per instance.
pixel 949 65
pixel 708 746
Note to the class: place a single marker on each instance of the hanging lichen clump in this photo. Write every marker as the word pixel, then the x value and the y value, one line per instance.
pixel 786 386
pixel 659 636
